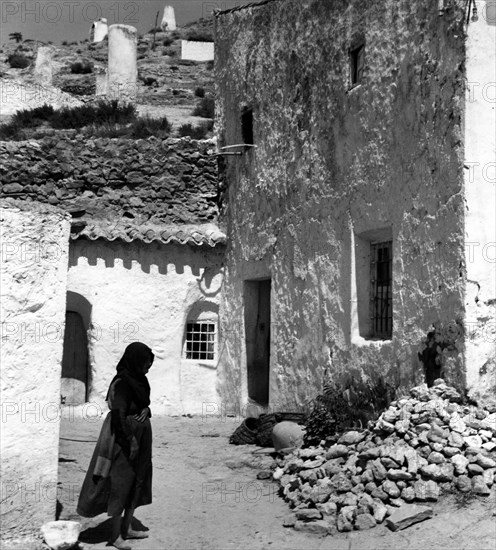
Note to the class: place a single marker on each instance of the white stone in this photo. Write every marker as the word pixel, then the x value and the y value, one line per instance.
pixel 61 535
pixel 460 463
pixel 407 515
pixel 473 441
pixel 457 424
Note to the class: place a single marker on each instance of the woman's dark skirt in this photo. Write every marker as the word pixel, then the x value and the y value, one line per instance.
pixel 113 482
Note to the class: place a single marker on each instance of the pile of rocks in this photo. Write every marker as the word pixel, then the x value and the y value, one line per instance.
pixel 419 445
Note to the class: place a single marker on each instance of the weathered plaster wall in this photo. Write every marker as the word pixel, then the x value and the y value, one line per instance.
pixel 480 196
pixel 332 162
pixel 197 51
pixel 169 181
pixel 145 292
pixel 122 62
pixel 34 249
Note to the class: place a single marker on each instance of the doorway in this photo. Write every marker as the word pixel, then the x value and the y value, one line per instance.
pixel 74 381
pixel 257 333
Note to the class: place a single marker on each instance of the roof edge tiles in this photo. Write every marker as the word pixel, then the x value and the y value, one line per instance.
pixel 199 234
pixel 244 7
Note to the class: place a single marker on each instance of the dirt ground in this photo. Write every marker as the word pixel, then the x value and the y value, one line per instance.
pixel 206 496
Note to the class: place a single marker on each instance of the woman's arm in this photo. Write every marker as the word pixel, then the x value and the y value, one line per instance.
pixel 120 403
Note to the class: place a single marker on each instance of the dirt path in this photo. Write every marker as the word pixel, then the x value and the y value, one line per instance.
pixel 207 497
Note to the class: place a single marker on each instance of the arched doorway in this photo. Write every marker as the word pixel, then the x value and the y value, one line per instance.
pixel 74 383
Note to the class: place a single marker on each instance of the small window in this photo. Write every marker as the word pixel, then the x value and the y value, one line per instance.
pixel 357 59
pixel 247 125
pixel 200 340
pixel 381 289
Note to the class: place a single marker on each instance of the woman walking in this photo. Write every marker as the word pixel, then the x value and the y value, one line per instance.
pixel 119 478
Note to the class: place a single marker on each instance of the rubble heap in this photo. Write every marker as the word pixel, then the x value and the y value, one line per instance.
pixel 419 446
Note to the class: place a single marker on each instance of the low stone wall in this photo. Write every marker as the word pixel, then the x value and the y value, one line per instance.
pixel 168 181
pixel 35 244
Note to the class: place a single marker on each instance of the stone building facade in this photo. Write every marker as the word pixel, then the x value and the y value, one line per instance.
pixel 348 201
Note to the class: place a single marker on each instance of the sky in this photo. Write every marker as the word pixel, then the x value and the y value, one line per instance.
pixel 58 20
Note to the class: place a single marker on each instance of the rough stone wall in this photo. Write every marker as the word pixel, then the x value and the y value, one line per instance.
pixel 331 163
pixel 34 248
pixel 145 292
pixel 169 181
pixel 480 195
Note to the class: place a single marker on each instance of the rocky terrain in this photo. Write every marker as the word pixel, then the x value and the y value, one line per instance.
pixel 420 448
pixel 167 84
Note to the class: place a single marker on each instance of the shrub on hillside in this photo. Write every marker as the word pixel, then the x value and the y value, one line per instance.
pixel 167 41
pixel 196 132
pixel 31 118
pixel 101 113
pixel 210 65
pixel 200 36
pixel 81 67
pixel 145 127
pixel 206 108
pixel 200 92
pixel 169 51
pixel 18 61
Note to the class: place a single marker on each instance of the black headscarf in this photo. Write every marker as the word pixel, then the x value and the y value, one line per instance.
pixel 129 369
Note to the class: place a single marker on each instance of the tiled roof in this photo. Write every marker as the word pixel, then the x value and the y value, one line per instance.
pixel 129 230
pixel 243 7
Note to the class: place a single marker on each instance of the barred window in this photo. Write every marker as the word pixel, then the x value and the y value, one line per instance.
pixel 200 340
pixel 381 289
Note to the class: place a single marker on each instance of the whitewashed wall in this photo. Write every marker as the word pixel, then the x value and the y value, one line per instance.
pixel 197 51
pixel 480 220
pixel 143 292
pixel 34 248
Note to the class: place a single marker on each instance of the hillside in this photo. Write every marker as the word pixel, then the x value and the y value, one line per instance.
pixel 168 86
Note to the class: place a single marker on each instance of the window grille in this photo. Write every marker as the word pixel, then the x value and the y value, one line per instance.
pixel 200 340
pixel 381 289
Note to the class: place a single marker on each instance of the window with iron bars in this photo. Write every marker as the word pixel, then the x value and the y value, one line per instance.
pixel 381 320
pixel 200 340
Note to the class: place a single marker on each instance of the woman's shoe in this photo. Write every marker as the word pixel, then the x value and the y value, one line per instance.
pixel 120 543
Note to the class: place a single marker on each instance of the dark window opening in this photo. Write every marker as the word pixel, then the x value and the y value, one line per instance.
pixel 247 125
pixel 357 58
pixel 381 290
pixel 200 341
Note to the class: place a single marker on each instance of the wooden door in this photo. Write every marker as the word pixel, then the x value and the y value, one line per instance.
pixel 74 361
pixel 257 332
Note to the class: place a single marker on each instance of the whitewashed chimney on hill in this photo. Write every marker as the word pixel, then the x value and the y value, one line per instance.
pixel 122 62
pixel 168 20
pixel 43 69
pixel 99 30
